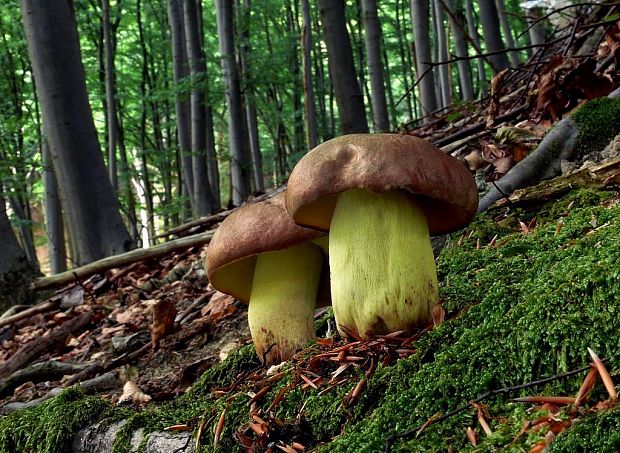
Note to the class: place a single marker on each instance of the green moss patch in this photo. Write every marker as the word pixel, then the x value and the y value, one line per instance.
pixel 599 123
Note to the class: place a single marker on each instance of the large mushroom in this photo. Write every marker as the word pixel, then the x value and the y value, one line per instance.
pixel 258 255
pixel 380 196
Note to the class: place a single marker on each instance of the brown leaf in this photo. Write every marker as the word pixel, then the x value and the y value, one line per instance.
pixel 133 393
pixel 218 307
pixel 586 386
pixel 163 320
pixel 438 313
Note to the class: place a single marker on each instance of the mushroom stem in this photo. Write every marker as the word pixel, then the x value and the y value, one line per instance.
pixel 281 311
pixel 383 274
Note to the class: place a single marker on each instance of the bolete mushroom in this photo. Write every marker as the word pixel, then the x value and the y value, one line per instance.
pixel 258 255
pixel 380 196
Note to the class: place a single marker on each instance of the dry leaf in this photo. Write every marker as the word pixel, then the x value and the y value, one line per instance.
pixel 163 320
pixel 132 393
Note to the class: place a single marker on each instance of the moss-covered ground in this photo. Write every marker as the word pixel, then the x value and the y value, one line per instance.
pixel 522 308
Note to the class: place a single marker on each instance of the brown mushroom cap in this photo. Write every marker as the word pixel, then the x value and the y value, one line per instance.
pixel 249 231
pixel 443 187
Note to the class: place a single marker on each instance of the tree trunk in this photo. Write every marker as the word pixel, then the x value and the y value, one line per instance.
pixel 312 128
pixel 373 40
pixel 406 64
pixel 342 70
pixel 473 33
pixel 421 39
pixel 460 45
pixel 492 35
pixel 292 13
pixel 445 85
pixel 536 31
pixel 15 271
pixel 510 42
pixel 250 107
pixel 203 196
pixel 109 95
pixel 179 71
pixel 94 221
pixel 238 164
pixel 53 216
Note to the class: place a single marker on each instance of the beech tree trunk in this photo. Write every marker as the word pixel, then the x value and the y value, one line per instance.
pixel 421 39
pixel 473 33
pixel 53 215
pixel 15 270
pixel 460 45
pixel 312 128
pixel 94 221
pixel 238 164
pixel 492 35
pixel 342 69
pixel 203 196
pixel 510 42
pixel 250 103
pixel 109 95
pixel 180 71
pixel 372 35
pixel 445 87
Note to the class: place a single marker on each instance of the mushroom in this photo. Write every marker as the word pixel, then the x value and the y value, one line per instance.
pixel 380 196
pixel 258 255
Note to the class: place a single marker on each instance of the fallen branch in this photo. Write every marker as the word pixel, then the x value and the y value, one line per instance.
pixel 34 348
pixel 111 262
pixel 413 432
pixel 40 308
pixel 44 371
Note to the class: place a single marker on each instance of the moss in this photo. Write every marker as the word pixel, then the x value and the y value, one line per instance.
pixel 596 433
pixel 50 427
pixel 599 123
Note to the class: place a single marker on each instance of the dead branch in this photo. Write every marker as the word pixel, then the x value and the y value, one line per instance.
pixel 44 371
pixel 34 348
pixel 40 308
pixel 123 259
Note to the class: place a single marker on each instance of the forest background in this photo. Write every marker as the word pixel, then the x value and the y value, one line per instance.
pixel 197 105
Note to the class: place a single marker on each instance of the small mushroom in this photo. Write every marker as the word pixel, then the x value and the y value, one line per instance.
pixel 258 255
pixel 380 196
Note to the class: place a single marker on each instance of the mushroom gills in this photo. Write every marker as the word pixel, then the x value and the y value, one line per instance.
pixel 383 274
pixel 284 291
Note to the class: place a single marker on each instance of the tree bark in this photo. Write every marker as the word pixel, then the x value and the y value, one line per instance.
pixel 460 45
pixel 238 163
pixel 421 39
pixel 510 42
pixel 53 215
pixel 473 33
pixel 492 35
pixel 373 41
pixel 179 71
pixel 15 270
pixel 250 103
pixel 203 196
pixel 109 95
pixel 94 221
pixel 342 69
pixel 445 85
pixel 312 128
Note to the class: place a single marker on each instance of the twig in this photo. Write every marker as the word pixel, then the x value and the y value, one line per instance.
pixel 412 432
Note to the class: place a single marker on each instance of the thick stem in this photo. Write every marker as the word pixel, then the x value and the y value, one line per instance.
pixel 282 302
pixel 383 274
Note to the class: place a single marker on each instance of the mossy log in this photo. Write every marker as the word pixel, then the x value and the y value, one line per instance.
pixel 589 129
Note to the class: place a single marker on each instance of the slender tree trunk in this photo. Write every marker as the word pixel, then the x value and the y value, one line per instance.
pixel 492 35
pixel 421 39
pixel 388 85
pixel 53 216
pixel 473 33
pixel 95 224
pixel 180 71
pixel 405 58
pixel 292 13
pixel 460 45
pixel 319 71
pixel 445 84
pixel 375 65
pixel 25 232
pixel 109 95
pixel 536 31
pixel 250 102
pixel 346 87
pixel 510 42
pixel 203 196
pixel 312 128
pixel 238 164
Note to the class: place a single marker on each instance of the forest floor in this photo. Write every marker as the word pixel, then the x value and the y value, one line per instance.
pixel 526 290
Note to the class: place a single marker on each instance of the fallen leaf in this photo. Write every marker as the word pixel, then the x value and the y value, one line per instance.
pixel 132 393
